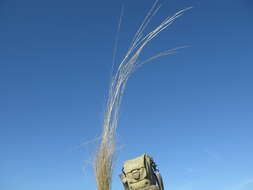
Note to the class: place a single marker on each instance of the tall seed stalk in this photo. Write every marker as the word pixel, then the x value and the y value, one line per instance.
pixel 105 155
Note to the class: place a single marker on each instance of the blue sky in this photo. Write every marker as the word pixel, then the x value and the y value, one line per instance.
pixel 192 111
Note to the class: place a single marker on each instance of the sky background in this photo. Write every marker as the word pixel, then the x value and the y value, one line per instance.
pixel 192 111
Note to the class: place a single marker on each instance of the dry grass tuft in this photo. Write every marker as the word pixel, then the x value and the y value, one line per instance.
pixel 104 160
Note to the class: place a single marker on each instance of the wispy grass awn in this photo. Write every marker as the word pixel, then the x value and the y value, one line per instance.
pixel 105 154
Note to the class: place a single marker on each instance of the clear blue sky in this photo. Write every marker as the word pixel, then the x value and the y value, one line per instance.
pixel 192 111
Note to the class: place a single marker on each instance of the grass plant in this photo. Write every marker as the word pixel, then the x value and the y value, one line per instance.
pixel 105 154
